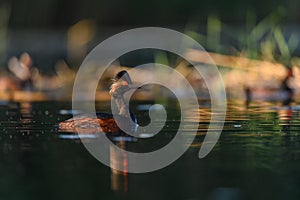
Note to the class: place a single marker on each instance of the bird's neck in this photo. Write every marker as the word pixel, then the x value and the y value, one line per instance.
pixel 122 106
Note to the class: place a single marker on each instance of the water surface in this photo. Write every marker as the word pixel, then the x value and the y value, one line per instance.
pixel 256 157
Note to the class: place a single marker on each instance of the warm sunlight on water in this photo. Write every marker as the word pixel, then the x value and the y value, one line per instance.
pixel 256 157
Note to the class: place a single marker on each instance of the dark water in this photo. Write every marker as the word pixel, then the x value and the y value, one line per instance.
pixel 257 157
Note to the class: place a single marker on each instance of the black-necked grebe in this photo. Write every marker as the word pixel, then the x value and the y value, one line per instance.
pixel 108 123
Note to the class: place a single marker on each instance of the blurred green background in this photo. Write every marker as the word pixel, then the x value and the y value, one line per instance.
pixel 41 27
pixel 61 14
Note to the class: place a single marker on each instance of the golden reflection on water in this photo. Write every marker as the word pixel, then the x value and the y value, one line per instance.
pixel 261 119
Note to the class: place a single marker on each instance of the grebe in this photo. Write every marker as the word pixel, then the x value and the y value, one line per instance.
pixel 87 124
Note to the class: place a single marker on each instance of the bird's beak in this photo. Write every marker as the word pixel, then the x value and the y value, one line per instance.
pixel 134 86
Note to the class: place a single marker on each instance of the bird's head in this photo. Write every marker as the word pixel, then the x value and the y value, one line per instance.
pixel 121 83
pixel 122 76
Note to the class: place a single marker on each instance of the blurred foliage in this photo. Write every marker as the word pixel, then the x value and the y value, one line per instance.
pixel 246 26
pixel 4 16
pixel 258 39
pixel 56 13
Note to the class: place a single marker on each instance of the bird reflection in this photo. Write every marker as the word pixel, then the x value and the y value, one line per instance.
pixel 285 116
pixel 119 179
pixel 26 111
